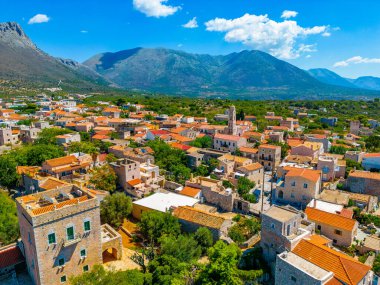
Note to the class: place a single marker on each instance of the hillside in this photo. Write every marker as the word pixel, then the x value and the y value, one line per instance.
pixel 327 76
pixel 247 74
pixel 21 60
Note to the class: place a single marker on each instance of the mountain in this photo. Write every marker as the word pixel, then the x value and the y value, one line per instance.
pixel 367 82
pixel 327 76
pixel 246 74
pixel 21 60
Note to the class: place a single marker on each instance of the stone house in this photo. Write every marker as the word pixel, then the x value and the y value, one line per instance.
pixel 228 142
pixel 192 219
pixel 269 156
pixel 364 182
pixel 342 230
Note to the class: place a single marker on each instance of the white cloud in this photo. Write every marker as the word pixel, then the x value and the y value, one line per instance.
pixel 38 19
pixel 289 14
pixel 356 60
pixel 84 31
pixel 155 8
pixel 280 39
pixel 191 24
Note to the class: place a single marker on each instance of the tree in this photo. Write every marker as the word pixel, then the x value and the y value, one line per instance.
pixel 37 154
pixel 244 229
pixel 222 268
pixel 183 248
pixel 204 238
pixel 154 224
pixel 202 142
pixel 115 208
pixel 373 143
pixel 99 276
pixel 244 185
pixel 8 174
pixel 104 178
pixel 48 135
pixel 240 115
pixel 9 228
pixel 84 147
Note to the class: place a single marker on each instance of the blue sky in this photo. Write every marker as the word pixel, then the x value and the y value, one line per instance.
pixel 343 36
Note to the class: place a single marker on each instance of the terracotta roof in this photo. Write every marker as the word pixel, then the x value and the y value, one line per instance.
pixel 248 149
pixel 309 174
pixel 49 208
pixel 199 217
pixel 100 137
pixel 180 146
pixel 372 154
pixel 52 183
pixel 252 167
pixel 190 191
pixel 159 132
pixel 344 267
pixel 61 160
pixel 227 137
pixel 269 146
pixel 365 174
pixel 10 256
pixel 333 281
pixel 334 220
pixel 134 182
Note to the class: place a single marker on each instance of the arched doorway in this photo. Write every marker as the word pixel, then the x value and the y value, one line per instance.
pixel 281 194
pixel 110 254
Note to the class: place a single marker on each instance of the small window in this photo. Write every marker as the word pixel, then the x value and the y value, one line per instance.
pixel 293 183
pixel 51 238
pixel 335 241
pixel 338 232
pixel 70 233
pixel 294 279
pixel 292 195
pixel 63 279
pixel 272 226
pixel 319 227
pixel 305 185
pixel 85 268
pixel 83 253
pixel 61 261
pixel 87 226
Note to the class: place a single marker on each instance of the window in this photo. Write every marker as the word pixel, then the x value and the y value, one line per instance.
pixel 338 232
pixel 83 253
pixel 29 238
pixel 335 241
pixel 293 183
pixel 63 279
pixel 70 232
pixel 305 185
pixel 294 279
pixel 61 261
pixel 87 226
pixel 292 195
pixel 51 238
pixel 304 197
pixel 85 268
pixel 272 226
pixel 319 227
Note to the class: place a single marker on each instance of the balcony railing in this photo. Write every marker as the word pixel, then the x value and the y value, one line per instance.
pixel 70 242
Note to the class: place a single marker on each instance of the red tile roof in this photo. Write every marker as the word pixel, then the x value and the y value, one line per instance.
pixel 11 255
pixel 190 191
pixel 334 220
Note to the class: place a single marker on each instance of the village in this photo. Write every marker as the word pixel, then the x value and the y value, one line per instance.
pixel 307 201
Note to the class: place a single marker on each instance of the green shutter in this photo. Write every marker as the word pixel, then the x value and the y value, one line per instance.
pixel 87 226
pixel 70 233
pixel 51 238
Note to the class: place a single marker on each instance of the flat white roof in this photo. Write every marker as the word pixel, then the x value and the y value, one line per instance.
pixel 164 201
pixel 325 206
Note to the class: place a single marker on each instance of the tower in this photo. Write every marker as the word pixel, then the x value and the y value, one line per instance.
pixel 232 130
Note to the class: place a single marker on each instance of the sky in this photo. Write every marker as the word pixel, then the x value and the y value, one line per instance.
pixel 341 35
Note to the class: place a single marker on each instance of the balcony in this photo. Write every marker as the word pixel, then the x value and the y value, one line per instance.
pixel 70 242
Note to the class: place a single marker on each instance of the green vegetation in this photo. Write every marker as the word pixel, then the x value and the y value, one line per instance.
pixel 104 178
pixel 172 160
pixel 115 208
pixel 203 142
pixel 84 147
pixel 244 187
pixel 244 229
pixel 9 229
pixel 48 135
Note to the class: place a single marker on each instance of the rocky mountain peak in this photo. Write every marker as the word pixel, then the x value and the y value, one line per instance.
pixel 12 34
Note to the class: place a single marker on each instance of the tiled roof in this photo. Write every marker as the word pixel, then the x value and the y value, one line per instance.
pixel 180 146
pixel 134 182
pixel 10 256
pixel 252 167
pixel 190 191
pixel 248 149
pixel 52 183
pixel 372 154
pixel 344 267
pixel 365 174
pixel 309 174
pixel 269 146
pixel 334 220
pixel 61 160
pixel 226 137
pixel 49 208
pixel 199 217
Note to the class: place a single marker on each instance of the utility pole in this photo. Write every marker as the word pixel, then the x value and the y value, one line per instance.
pixel 262 190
